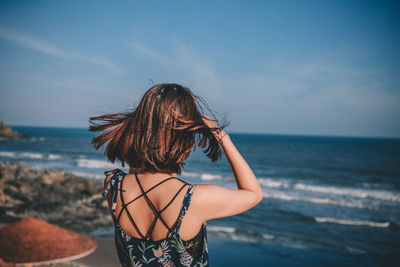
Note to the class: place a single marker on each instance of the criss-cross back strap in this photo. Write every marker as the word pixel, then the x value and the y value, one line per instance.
pixel 116 182
pixel 124 205
pixel 158 212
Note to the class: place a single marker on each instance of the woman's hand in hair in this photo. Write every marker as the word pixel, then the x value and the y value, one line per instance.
pixel 210 123
pixel 215 129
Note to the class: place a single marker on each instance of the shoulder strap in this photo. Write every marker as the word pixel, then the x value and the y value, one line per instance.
pixel 113 182
pixel 184 208
pixel 113 185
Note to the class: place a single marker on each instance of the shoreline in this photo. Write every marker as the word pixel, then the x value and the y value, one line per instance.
pixel 75 203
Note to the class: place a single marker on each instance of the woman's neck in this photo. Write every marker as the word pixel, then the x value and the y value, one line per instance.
pixel 146 173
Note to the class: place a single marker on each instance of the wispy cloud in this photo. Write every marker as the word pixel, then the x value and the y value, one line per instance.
pixel 144 50
pixel 186 65
pixel 53 50
pixel 321 95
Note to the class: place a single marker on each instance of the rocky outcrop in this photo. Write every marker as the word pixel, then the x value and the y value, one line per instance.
pixel 8 133
pixel 54 196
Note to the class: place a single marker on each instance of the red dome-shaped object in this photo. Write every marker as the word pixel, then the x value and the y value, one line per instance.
pixel 33 241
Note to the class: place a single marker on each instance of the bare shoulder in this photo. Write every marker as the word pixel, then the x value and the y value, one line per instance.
pixel 213 201
pixel 206 194
pixel 204 191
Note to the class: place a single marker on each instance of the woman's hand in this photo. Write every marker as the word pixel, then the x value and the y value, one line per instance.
pixel 210 123
pixel 215 129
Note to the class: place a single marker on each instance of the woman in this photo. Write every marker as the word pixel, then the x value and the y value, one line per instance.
pixel 159 219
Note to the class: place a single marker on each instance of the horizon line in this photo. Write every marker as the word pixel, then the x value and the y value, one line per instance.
pixel 240 132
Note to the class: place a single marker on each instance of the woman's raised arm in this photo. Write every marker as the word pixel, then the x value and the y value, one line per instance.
pixel 216 201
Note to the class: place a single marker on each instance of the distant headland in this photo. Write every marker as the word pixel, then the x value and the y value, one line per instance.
pixel 8 133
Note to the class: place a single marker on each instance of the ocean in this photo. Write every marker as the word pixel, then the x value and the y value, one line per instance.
pixel 336 197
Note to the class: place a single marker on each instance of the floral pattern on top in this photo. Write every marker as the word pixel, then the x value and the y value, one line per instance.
pixel 167 252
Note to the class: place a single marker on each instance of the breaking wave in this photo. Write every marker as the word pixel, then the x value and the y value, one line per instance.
pixel 332 190
pixel 29 155
pixel 7 154
pixel 317 200
pixel 96 164
pixel 352 222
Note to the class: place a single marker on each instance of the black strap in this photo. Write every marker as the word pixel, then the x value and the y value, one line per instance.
pixel 124 205
pixel 158 214
pixel 150 203
pixel 129 215
pixel 150 189
pixel 151 228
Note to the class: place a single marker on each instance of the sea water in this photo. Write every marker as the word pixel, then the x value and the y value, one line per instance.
pixel 324 195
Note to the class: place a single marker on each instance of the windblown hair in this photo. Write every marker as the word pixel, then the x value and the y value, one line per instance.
pixel 160 133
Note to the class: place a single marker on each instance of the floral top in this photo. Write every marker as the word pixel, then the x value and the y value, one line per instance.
pixel 171 251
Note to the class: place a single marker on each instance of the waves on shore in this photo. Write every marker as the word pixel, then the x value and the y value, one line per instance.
pixel 352 222
pixel 96 164
pixel 239 234
pixel 333 190
pixel 280 189
pixel 316 200
pixel 202 176
pixel 277 188
pixel 29 155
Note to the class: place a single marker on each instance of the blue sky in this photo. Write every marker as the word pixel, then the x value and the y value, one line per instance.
pixel 291 67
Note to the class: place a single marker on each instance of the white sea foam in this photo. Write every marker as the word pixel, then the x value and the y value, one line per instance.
pixel 7 154
pixel 355 192
pixel 224 229
pixel 273 183
pixel 243 238
pixel 208 177
pixel 352 222
pixel 267 236
pixel 96 164
pixel 190 174
pixel 31 155
pixel 317 200
pixel 53 156
pixel 236 234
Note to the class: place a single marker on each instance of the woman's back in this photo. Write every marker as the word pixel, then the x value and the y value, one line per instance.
pixel 161 196
pixel 149 211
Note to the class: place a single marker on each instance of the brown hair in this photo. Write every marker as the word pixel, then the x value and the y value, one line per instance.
pixel 160 133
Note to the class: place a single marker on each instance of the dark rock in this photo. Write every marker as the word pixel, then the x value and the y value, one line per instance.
pixel 8 133
pixel 52 195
